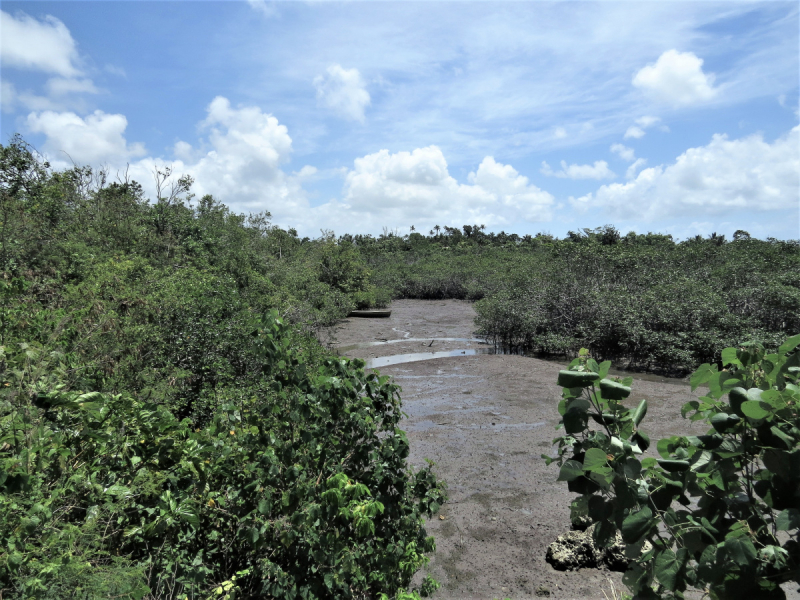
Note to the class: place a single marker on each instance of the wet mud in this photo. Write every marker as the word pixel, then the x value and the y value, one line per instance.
pixel 485 420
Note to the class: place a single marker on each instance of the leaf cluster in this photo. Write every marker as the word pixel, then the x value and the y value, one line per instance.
pixel 301 492
pixel 717 512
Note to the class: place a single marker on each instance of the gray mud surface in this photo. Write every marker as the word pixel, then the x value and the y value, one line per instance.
pixel 485 420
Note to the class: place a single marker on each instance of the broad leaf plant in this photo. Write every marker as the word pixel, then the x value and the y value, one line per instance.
pixel 718 512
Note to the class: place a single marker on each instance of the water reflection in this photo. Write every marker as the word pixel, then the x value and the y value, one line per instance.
pixel 397 359
pixel 403 340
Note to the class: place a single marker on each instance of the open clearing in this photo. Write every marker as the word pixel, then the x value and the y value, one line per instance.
pixel 485 420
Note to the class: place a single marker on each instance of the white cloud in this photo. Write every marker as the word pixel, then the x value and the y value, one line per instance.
pixel 33 102
pixel 99 138
pixel 242 165
pixel 342 91
pixel 241 161
pixel 631 171
pixel 44 45
pixel 647 121
pixel 183 151
pixel 307 171
pixel 59 86
pixel 115 70
pixel 676 78
pixel 599 170
pixel 634 132
pixel 8 96
pixel 406 187
pixel 642 123
pixel 723 176
pixel 261 6
pixel 559 133
pixel 624 152
pixel 512 190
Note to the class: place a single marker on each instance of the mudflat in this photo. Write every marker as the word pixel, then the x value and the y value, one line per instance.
pixel 485 420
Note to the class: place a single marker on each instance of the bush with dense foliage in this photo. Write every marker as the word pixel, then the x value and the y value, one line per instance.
pixel 168 426
pixel 644 300
pixel 301 491
pixel 718 512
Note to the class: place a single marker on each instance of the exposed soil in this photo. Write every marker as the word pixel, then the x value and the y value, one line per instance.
pixel 485 421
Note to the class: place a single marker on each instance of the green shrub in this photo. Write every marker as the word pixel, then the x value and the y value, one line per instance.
pixel 299 492
pixel 719 511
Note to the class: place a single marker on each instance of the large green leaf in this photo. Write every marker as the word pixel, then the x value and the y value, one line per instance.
pixel 594 460
pixel 632 468
pixel 604 367
pixel 756 409
pixel 789 344
pixel 703 374
pixel 639 412
pixel 636 525
pixel 740 550
pixel 729 357
pixel 575 421
pixel 570 470
pixel 667 569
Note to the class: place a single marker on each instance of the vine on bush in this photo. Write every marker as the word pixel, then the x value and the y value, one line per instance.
pixel 721 511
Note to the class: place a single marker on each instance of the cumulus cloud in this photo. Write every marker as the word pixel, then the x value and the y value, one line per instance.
pixel 624 152
pixel 599 170
pixel 631 171
pixel 44 45
pixel 726 175
pixel 243 160
pixel 647 121
pixel 392 189
pixel 676 78
pixel 240 161
pixel 95 139
pixel 342 91
pixel 629 155
pixel 638 131
pixel 634 132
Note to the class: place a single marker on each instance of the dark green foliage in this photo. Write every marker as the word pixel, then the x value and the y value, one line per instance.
pixel 161 439
pixel 300 491
pixel 641 299
pixel 720 511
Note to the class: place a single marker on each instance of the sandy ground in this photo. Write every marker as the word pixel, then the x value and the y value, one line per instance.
pixel 485 420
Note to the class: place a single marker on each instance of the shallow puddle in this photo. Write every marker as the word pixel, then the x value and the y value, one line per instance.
pixel 348 347
pixel 398 359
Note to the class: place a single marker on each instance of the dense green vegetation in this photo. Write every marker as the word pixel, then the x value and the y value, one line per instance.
pixel 640 300
pixel 718 512
pixel 168 426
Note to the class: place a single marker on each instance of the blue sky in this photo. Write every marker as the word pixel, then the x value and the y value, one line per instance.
pixel 674 117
